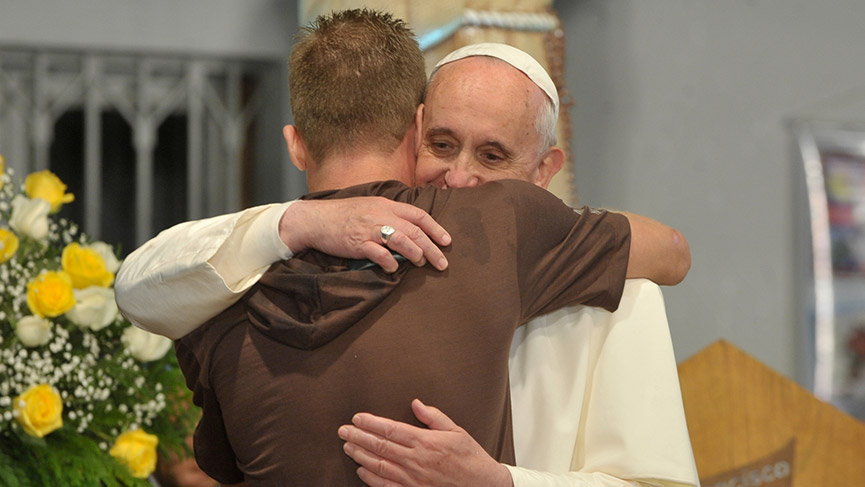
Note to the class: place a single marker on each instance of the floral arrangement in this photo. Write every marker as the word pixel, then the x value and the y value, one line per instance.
pixel 86 399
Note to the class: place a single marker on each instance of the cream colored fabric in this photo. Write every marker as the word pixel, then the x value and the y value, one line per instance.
pixel 531 478
pixel 603 382
pixel 608 380
pixel 190 272
pixel 523 477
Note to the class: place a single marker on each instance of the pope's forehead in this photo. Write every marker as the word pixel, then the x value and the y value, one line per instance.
pixel 483 100
pixel 479 73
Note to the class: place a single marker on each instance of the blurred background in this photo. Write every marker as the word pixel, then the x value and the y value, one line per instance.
pixel 697 113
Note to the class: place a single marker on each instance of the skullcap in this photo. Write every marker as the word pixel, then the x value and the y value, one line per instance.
pixel 516 58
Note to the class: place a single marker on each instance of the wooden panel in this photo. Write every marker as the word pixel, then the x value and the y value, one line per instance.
pixel 740 411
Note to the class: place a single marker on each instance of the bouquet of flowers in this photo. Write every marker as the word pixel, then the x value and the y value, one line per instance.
pixel 86 399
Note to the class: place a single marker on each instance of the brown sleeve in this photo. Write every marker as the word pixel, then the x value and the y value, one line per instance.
pixel 213 452
pixel 211 446
pixel 566 256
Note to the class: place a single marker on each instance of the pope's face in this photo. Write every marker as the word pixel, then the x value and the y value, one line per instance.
pixel 479 125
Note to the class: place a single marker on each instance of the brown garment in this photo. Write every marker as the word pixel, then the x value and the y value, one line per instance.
pixel 314 343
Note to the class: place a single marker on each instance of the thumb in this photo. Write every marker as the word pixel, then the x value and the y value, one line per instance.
pixel 432 417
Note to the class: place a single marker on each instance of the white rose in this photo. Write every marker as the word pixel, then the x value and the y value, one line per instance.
pixel 94 308
pixel 30 217
pixel 33 331
pixel 107 253
pixel 143 345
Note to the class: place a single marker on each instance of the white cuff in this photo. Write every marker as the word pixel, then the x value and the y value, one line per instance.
pixel 252 247
pixel 524 477
pixel 192 271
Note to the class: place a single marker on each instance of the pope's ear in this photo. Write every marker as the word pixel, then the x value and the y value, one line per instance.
pixel 296 147
pixel 550 164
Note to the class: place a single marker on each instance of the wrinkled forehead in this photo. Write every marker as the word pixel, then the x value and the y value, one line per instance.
pixel 514 57
pixel 482 90
pixel 478 71
pixel 484 102
pixel 488 78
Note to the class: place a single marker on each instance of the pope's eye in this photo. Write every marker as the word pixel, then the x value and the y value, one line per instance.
pixel 440 147
pixel 491 158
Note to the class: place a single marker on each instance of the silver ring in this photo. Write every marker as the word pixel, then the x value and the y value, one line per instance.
pixel 386 232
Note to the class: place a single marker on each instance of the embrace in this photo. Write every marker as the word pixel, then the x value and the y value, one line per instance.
pixel 315 333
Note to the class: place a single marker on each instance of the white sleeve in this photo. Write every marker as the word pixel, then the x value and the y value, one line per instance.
pixel 524 477
pixel 190 272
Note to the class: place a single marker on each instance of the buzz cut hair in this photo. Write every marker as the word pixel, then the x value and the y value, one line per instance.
pixel 356 78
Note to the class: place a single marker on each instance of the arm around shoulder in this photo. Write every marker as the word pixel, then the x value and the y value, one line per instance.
pixel 658 252
pixel 190 272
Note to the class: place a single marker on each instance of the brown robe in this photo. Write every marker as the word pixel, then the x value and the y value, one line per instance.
pixel 314 343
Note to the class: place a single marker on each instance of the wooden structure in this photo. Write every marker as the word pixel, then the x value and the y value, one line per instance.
pixel 751 426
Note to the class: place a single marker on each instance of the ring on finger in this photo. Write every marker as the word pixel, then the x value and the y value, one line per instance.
pixel 386 233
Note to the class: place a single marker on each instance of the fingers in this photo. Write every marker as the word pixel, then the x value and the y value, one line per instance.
pixel 400 243
pixel 424 222
pixel 412 243
pixel 427 249
pixel 402 435
pixel 380 256
pixel 374 470
pixel 378 457
pixel 418 235
pixel 371 443
pixel 352 228
pixel 432 417
pixel 373 480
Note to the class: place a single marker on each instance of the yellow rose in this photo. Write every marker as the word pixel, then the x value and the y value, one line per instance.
pixel 137 450
pixel 50 294
pixel 40 410
pixel 8 245
pixel 46 185
pixel 85 266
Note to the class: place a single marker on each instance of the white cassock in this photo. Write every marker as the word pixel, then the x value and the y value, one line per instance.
pixel 595 395
pixel 608 380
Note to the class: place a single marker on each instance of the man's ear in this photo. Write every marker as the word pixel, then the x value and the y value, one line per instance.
pixel 550 164
pixel 296 147
pixel 418 125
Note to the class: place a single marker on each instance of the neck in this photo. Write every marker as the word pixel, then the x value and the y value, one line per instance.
pixel 343 170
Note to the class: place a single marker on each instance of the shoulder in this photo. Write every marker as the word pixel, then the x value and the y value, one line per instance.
pixel 508 193
pixel 196 349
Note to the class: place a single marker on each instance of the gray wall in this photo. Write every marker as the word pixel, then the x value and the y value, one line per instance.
pixel 249 28
pixel 680 115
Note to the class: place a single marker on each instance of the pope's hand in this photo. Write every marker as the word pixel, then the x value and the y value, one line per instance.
pixel 351 228
pixel 395 454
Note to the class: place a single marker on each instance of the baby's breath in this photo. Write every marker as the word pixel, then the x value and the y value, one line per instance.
pixel 104 390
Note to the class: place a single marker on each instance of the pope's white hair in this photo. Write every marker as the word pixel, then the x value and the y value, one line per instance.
pixel 545 124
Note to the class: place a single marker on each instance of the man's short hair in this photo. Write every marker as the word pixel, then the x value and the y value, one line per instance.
pixel 356 78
